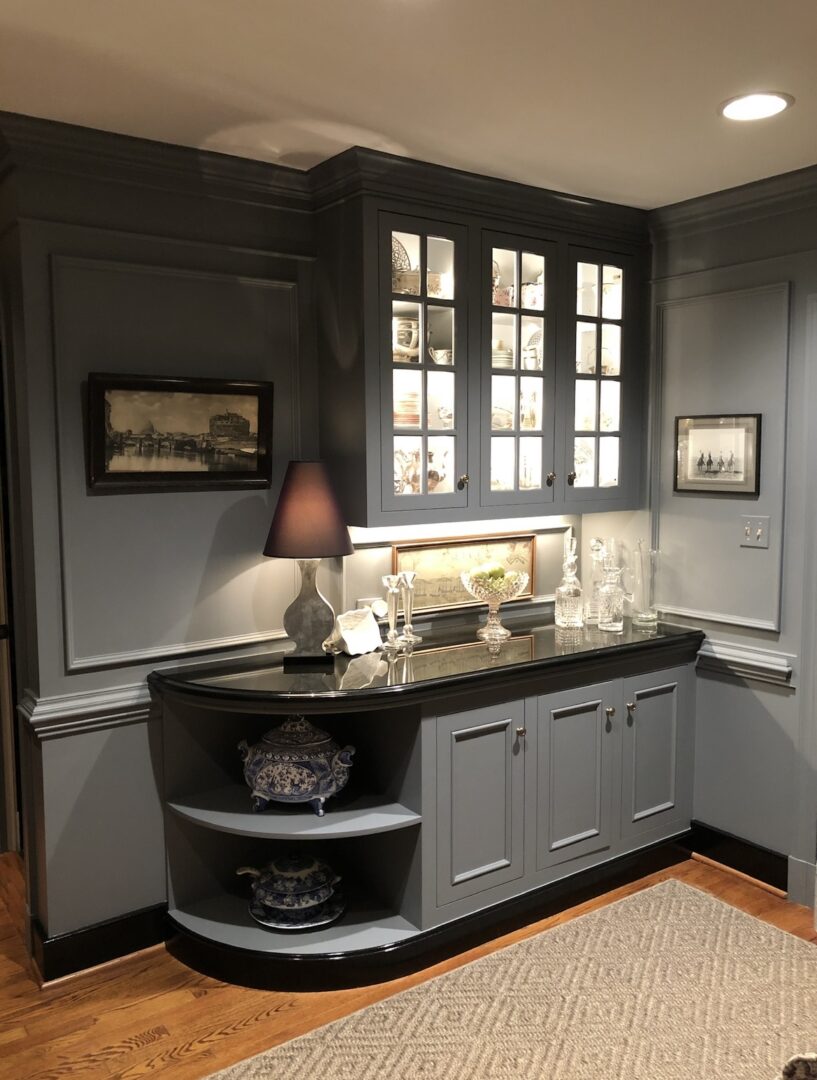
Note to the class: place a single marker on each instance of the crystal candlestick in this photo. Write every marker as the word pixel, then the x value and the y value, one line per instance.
pixel 408 637
pixel 392 585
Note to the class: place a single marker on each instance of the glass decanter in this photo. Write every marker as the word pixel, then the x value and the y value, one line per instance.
pixel 591 606
pixel 611 598
pixel 569 593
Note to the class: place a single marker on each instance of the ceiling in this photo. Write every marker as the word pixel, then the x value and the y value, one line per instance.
pixel 609 100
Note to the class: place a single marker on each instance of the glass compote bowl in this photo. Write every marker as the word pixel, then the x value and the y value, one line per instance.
pixel 493 586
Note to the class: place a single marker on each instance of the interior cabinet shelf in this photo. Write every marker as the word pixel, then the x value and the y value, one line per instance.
pixel 225 920
pixel 227 809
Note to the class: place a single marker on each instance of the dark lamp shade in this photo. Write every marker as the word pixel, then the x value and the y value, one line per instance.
pixel 307 523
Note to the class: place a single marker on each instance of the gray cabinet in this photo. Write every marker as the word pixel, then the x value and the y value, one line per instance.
pixel 576 756
pixel 480 800
pixel 657 753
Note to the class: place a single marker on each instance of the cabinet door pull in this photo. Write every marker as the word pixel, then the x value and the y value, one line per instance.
pixel 521 732
pixel 571 478
pixel 551 476
pixel 463 481
pixel 631 706
pixel 610 711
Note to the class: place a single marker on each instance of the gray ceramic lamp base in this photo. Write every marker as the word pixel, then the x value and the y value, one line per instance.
pixel 309 620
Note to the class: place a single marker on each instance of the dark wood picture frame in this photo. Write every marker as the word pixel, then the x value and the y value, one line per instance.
pixel 216 451
pixel 735 439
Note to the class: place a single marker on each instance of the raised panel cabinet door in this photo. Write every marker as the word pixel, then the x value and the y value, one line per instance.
pixel 577 736
pixel 657 746
pixel 480 795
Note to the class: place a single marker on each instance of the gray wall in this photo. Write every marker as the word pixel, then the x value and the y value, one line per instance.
pixel 182 266
pixel 735 283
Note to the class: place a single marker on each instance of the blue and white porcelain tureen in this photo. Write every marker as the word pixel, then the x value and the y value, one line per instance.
pixel 294 892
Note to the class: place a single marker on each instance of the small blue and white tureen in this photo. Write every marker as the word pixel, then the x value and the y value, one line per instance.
pixel 294 892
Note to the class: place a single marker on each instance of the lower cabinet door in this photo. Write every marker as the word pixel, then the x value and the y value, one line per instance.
pixel 577 741
pixel 480 799
pixel 657 750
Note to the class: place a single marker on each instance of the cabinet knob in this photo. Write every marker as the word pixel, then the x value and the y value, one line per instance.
pixel 551 476
pixel 571 478
pixel 631 706
pixel 521 732
pixel 463 481
pixel 610 711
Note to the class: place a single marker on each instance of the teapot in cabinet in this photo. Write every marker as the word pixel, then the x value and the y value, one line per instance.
pixel 295 763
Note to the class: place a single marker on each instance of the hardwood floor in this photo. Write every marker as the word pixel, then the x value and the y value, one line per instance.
pixel 147 1015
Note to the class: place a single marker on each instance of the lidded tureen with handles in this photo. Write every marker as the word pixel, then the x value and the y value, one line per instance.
pixel 295 763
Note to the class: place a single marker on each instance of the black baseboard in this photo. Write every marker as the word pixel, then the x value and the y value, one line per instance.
pixel 65 954
pixel 307 971
pixel 758 862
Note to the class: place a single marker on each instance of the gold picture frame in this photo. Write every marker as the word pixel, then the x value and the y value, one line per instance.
pixel 438 564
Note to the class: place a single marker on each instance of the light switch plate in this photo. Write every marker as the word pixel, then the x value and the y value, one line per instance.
pixel 754 532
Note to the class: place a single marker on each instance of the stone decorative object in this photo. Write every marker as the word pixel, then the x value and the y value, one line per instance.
pixel 356 632
pixel 294 892
pixel 295 763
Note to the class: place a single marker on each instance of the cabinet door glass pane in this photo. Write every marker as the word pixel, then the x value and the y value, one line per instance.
pixel 585 405
pixel 532 287
pixel 533 344
pixel 440 466
pixel 405 333
pixel 587 289
pixel 440 268
pixel 612 292
pixel 608 461
pixel 586 348
pixel 440 401
pixel 531 403
pixel 503 278
pixel 530 463
pixel 440 336
pixel 610 411
pixel 405 263
pixel 503 402
pixel 610 349
pixel 408 453
pixel 502 464
pixel 584 462
pixel 503 341
pixel 407 392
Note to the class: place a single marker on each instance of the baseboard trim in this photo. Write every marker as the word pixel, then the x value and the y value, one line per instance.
pixel 311 972
pixel 750 859
pixel 65 954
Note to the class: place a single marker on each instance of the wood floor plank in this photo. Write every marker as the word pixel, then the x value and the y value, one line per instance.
pixel 149 1016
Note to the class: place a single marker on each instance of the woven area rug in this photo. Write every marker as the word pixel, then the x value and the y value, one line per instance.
pixel 668 984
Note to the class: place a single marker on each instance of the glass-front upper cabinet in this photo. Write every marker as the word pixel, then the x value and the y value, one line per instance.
pixel 518 371
pixel 423 360
pixel 599 346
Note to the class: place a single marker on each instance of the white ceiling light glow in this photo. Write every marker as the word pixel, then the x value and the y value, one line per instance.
pixel 755 106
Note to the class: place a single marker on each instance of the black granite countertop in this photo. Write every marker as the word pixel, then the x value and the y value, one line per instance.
pixel 449 661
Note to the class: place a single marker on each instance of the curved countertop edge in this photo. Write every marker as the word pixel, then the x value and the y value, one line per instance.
pixel 595 665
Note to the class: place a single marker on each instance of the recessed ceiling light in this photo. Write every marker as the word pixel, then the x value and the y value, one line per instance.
pixel 755 106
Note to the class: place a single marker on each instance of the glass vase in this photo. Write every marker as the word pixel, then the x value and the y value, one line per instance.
pixel 645 567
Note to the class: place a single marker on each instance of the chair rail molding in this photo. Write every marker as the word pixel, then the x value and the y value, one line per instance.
pixel 78 713
pixel 747 661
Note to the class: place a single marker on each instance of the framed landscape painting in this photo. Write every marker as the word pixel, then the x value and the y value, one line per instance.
pixel 717 454
pixel 167 434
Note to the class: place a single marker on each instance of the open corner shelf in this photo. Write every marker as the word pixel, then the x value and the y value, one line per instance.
pixel 227 809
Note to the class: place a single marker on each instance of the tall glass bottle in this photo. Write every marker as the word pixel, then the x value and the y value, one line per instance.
pixel 611 598
pixel 591 603
pixel 569 606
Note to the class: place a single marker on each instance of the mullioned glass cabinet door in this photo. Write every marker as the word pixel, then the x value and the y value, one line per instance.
pixel 423 357
pixel 601 358
pixel 518 296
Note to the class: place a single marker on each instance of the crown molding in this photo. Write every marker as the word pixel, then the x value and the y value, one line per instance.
pixel 789 192
pixel 361 172
pixel 29 142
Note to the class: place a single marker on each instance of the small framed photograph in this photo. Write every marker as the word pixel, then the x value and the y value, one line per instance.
pixel 438 564
pixel 166 434
pixel 719 455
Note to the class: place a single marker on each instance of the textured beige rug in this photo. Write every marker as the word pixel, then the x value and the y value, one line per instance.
pixel 668 984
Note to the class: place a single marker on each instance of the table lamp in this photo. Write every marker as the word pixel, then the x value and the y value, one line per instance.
pixel 308 526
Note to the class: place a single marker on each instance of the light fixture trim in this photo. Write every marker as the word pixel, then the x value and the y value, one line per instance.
pixel 758 105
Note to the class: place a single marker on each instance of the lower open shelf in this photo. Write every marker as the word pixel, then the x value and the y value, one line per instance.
pixel 226 920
